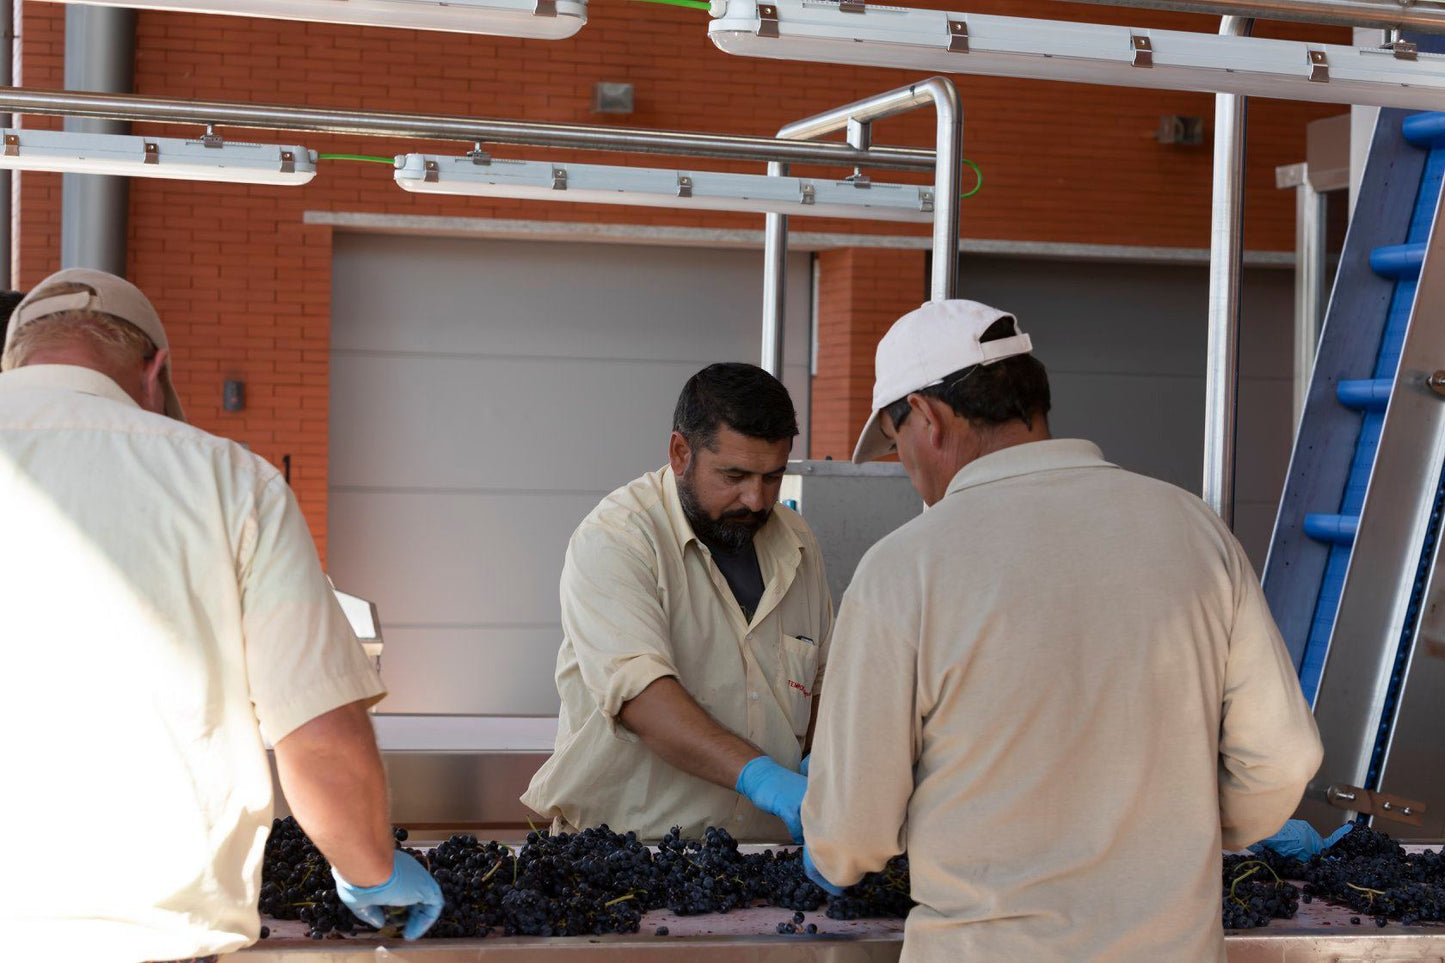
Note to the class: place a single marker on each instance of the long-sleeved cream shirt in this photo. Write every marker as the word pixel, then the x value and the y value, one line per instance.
pixel 1060 690
pixel 642 599
pixel 163 611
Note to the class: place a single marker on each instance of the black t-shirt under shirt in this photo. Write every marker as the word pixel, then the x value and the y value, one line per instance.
pixel 744 575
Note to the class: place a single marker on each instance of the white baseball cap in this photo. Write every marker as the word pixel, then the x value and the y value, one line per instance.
pixel 106 294
pixel 922 349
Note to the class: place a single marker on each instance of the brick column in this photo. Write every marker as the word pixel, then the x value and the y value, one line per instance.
pixel 861 292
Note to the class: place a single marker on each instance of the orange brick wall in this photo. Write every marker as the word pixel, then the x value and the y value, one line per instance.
pixel 245 286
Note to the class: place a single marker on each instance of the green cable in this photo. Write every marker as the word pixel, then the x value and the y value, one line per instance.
pixel 388 161
pixel 978 172
pixel 692 4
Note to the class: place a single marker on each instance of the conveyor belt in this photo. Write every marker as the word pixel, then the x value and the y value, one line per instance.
pixel 1319 933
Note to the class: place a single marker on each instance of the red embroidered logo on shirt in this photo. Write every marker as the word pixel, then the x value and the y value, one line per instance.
pixel 800 688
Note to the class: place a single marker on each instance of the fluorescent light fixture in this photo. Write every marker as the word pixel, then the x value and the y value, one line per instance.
pixel 207 159
pixel 857 32
pixel 645 187
pixel 540 19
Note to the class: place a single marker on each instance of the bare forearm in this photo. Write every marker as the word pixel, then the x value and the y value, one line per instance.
pixel 679 730
pixel 333 779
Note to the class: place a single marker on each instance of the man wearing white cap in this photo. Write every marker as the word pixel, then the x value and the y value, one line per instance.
pixel 1059 689
pixel 164 611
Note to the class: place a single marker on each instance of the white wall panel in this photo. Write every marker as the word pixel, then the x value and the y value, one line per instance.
pixel 485 395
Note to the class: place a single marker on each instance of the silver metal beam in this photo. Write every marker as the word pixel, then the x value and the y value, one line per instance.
pixel 468 129
pixel 1309 287
pixel 1226 249
pixel 775 283
pixel 95 209
pixel 1424 15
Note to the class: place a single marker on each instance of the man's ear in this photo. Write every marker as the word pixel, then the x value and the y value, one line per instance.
pixel 153 381
pixel 935 417
pixel 679 453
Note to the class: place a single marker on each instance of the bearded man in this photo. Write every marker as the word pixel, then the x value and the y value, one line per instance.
pixel 695 617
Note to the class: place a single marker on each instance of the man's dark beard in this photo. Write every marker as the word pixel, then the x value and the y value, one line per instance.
pixel 731 532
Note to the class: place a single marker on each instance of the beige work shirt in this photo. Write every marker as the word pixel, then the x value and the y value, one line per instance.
pixel 1060 690
pixel 163 611
pixel 642 599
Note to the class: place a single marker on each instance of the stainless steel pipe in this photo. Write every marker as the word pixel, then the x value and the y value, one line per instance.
pixel 948 148
pixel 468 129
pixel 775 283
pixel 856 118
pixel 1423 15
pixel 1226 261
pixel 1309 288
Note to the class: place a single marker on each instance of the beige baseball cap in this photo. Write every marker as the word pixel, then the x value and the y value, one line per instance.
pixel 925 346
pixel 108 294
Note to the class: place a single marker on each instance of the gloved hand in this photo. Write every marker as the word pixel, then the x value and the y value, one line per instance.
pixel 818 877
pixel 1299 840
pixel 410 886
pixel 803 766
pixel 775 789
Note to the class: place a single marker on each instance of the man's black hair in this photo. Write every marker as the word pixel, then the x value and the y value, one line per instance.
pixel 743 397
pixel 1014 389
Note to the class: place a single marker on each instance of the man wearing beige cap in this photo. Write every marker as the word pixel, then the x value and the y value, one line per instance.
pixel 164 612
pixel 1059 689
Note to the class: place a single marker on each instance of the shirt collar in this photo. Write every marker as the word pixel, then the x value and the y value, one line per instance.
pixel 1036 456
pixel 66 377
pixel 771 540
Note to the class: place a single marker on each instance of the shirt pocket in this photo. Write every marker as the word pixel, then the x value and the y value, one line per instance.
pixel 798 668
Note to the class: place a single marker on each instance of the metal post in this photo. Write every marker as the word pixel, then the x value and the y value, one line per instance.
pixel 94 209
pixel 7 73
pixel 1226 258
pixel 1309 287
pixel 775 283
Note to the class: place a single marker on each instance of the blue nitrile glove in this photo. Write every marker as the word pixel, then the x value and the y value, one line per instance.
pixel 818 877
pixel 410 886
pixel 775 789
pixel 1299 840
pixel 803 766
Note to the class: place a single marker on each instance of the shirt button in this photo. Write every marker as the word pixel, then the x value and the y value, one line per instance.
pixel 753 696
pixel 750 636
pixel 738 818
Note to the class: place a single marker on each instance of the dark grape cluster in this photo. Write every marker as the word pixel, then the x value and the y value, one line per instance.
pixel 1373 875
pixel 1255 890
pixel 296 883
pixel 883 894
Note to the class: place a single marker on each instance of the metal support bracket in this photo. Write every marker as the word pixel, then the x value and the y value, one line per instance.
pixel 1143 50
pixel 288 162
pixel 684 185
pixel 152 152
pixel 925 201
pixel 546 8
pixel 433 173
pixel 212 139
pixel 767 20
pixel 479 156
pixel 1319 67
pixel 1382 805
pixel 1403 50
pixel 860 134
pixel 859 179
pixel 852 6
pixel 559 178
pixel 957 36
pixel 809 195
pixel 12 145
